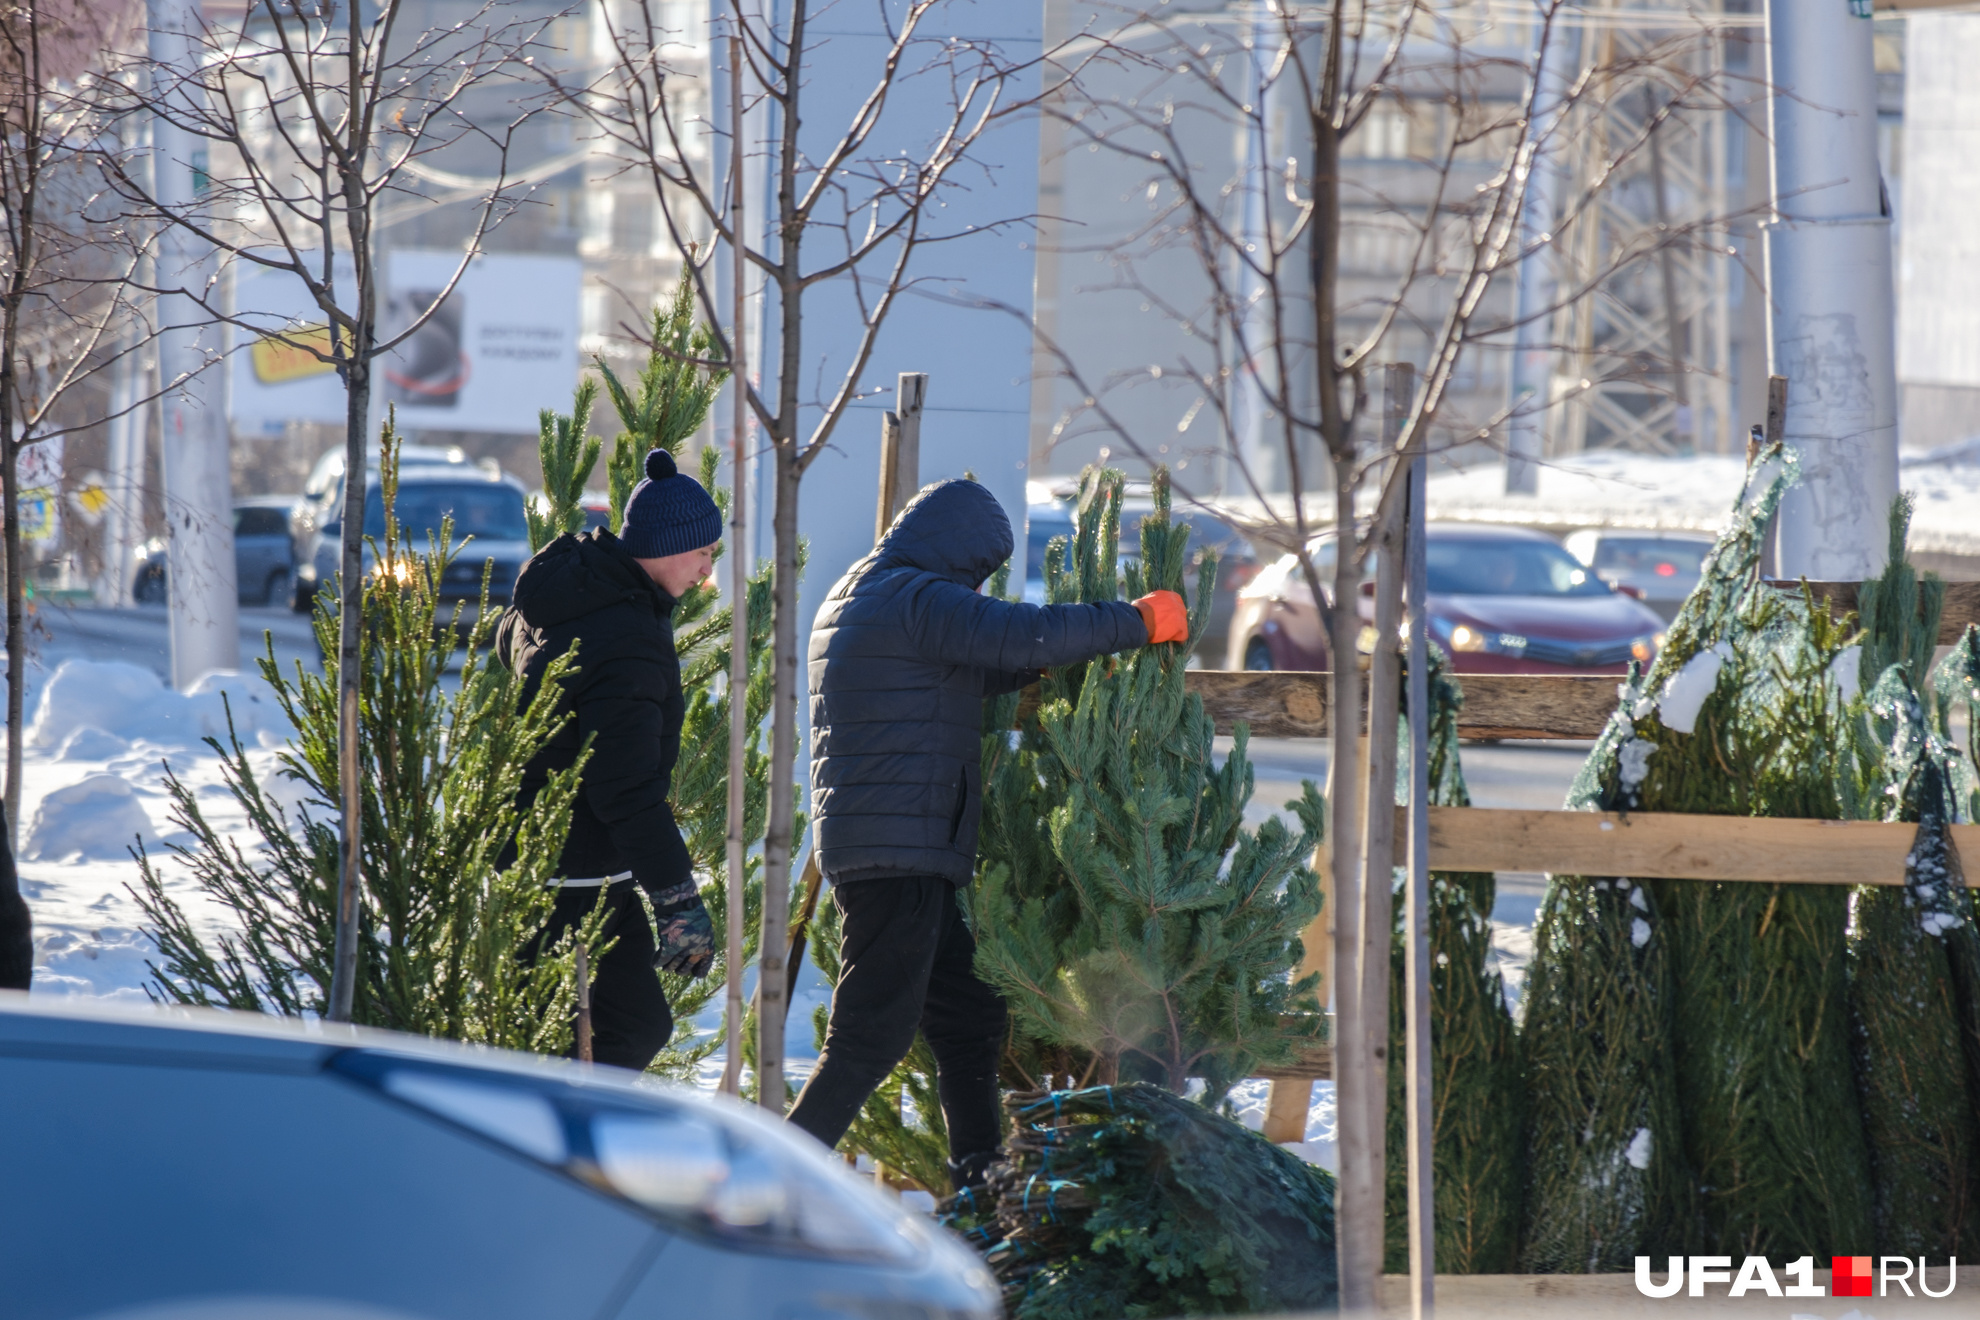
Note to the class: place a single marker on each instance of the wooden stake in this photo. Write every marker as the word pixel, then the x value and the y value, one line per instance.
pixel 583 1005
pixel 737 846
pixel 1416 911
pixel 910 397
pixel 1372 965
pixel 1777 387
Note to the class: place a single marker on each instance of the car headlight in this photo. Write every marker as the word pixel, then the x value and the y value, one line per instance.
pixel 729 1175
pixel 1466 637
pixel 1644 649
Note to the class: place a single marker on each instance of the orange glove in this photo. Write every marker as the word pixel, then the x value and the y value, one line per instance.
pixel 1165 616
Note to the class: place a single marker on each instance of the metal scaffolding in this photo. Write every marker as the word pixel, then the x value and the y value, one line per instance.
pixel 1644 362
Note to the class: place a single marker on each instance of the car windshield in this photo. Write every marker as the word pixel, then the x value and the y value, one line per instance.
pixel 492 511
pixel 1650 557
pixel 1461 567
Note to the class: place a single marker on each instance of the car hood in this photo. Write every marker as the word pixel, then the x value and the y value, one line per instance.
pixel 1608 617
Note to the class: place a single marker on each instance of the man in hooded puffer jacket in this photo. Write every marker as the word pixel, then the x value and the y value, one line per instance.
pixel 903 652
pixel 613 598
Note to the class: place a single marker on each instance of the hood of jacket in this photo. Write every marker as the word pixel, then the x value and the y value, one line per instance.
pixel 578 575
pixel 955 529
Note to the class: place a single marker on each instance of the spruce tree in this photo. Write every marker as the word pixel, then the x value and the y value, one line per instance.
pixel 1135 928
pixel 1476 1086
pixel 1620 1023
pixel 1956 682
pixel 1914 953
pixel 443 924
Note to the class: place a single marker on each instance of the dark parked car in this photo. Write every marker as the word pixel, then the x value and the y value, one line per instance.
pixel 1237 563
pixel 194 1164
pixel 1503 600
pixel 490 530
pixel 264 554
pixel 1658 568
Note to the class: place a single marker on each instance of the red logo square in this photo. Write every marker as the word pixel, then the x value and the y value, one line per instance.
pixel 1849 1276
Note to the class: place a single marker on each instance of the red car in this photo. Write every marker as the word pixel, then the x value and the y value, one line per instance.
pixel 1503 600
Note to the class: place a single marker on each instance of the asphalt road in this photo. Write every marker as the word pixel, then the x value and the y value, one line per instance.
pixel 139 636
pixel 1510 774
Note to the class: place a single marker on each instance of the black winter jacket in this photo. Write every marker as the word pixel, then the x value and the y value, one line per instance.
pixel 626 696
pixel 903 652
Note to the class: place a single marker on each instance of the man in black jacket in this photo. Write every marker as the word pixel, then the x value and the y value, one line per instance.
pixel 903 652
pixel 613 598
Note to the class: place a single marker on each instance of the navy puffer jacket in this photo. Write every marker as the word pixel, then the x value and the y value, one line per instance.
pixel 903 653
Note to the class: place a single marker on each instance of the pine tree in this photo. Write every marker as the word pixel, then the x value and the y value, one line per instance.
pixel 669 401
pixel 567 451
pixel 1476 1086
pixel 1135 928
pixel 443 925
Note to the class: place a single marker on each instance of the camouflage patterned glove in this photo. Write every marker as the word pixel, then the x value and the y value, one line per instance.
pixel 686 937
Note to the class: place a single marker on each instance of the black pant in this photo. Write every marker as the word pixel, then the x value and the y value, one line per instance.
pixel 630 1020
pixel 905 963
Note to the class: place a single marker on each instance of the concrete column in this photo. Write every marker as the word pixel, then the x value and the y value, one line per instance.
pixel 1533 338
pixel 1831 326
pixel 205 626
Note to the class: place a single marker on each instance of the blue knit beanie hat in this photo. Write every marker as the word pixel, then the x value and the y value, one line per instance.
pixel 668 513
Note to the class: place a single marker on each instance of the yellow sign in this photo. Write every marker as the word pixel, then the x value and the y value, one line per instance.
pixel 91 502
pixel 40 517
pixel 292 355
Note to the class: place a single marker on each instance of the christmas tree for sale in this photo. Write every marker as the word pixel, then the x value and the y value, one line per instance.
pixel 1688 1049
pixel 1136 928
pixel 1914 953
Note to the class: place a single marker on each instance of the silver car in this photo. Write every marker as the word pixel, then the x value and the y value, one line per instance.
pixel 1658 568
pixel 491 532
pixel 167 1163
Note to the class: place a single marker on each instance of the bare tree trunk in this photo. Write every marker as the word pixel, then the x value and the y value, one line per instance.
pixel 1377 888
pixel 16 629
pixel 350 611
pixel 772 1001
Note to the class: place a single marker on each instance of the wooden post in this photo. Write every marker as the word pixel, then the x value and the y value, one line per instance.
pixel 1777 387
pixel 1777 394
pixel 583 970
pixel 1289 1100
pixel 1416 911
pixel 910 396
pixel 1372 966
pixel 890 465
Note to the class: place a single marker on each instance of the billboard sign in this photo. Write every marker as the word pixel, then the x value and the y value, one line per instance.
pixel 502 346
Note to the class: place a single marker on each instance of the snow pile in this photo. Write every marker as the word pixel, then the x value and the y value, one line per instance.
pixel 97 695
pixel 1685 691
pixel 98 819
